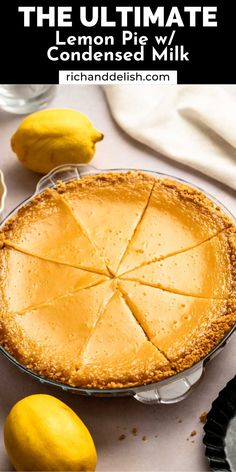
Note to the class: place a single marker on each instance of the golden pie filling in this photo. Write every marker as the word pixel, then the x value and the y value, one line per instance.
pixel 116 280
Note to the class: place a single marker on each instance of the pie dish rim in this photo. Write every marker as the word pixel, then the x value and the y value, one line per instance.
pixel 3 192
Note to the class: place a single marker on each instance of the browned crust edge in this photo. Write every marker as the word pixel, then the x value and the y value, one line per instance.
pixel 49 368
pixel 104 180
pixel 191 194
pixel 84 376
pixel 9 226
pixel 218 329
pixel 106 380
pixel 36 361
pixel 184 191
pixel 216 332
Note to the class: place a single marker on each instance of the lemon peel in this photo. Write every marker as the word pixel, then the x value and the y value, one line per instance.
pixel 43 433
pixel 53 137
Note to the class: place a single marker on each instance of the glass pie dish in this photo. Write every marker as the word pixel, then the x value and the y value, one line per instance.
pixel 170 390
pixel 3 192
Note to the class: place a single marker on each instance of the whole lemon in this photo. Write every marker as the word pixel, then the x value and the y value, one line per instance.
pixel 49 138
pixel 42 433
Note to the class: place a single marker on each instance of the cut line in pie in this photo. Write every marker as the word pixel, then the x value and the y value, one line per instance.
pixel 46 228
pixel 101 203
pixel 119 352
pixel 176 324
pixel 204 271
pixel 177 218
pixel 27 280
pixel 50 337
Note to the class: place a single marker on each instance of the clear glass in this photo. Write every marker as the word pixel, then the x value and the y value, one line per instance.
pixel 21 99
pixel 3 191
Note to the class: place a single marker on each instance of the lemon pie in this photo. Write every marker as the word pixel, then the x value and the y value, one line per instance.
pixel 116 279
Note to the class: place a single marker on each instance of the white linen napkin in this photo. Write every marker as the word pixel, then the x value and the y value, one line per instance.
pixel 194 125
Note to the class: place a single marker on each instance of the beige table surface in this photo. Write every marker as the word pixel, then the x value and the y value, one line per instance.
pixel 168 446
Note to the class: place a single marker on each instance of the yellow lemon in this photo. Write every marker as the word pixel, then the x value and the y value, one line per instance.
pixel 42 433
pixel 49 138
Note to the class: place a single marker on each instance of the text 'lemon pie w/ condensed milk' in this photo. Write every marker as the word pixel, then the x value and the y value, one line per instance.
pixel 116 280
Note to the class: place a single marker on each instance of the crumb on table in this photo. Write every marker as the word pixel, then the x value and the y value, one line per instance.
pixel 203 417
pixel 193 433
pixel 121 437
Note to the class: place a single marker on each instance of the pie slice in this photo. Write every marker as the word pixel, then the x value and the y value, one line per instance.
pixel 110 206
pixel 49 338
pixel 46 227
pixel 204 271
pixel 26 281
pixel 184 328
pixel 118 353
pixel 177 218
